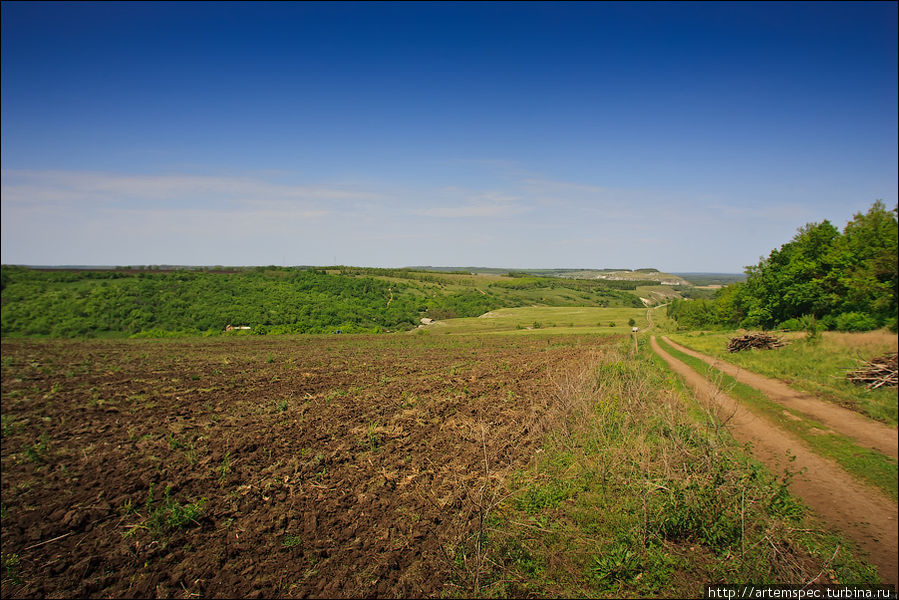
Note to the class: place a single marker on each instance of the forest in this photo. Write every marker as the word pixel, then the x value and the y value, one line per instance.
pixel 269 300
pixel 822 278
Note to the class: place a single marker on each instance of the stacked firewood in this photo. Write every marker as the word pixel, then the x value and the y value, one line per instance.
pixel 878 372
pixel 762 341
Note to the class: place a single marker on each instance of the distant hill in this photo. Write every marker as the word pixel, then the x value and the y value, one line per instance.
pixel 152 302
pixel 645 276
pixel 701 279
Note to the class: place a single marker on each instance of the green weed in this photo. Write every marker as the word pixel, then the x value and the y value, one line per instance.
pixel 168 515
pixel 9 427
pixel 37 451
pixel 11 565
pixel 618 563
pixel 225 468
pixel 372 440
pixel 127 508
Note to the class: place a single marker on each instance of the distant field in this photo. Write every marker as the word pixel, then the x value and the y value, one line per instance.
pixel 702 279
pixel 657 294
pixel 544 320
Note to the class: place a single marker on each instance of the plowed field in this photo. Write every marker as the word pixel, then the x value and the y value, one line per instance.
pixel 313 466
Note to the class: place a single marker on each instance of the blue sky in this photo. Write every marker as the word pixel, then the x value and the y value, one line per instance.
pixel 686 137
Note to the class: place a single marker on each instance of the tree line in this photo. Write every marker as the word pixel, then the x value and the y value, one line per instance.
pixel 822 278
pixel 269 300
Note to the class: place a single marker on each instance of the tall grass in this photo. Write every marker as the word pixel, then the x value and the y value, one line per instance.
pixel 639 490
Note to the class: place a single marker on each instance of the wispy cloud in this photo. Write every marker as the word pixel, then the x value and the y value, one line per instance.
pixel 777 212
pixel 551 187
pixel 56 217
pixel 58 189
pixel 597 200
pixel 472 205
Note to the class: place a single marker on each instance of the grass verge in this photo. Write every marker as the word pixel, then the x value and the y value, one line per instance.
pixel 638 491
pixel 864 463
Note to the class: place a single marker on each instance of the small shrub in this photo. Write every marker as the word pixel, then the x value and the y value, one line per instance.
pixel 807 323
pixel 855 321
pixel 828 322
pixel 791 325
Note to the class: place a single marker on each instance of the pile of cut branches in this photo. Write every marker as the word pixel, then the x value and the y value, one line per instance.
pixel 762 341
pixel 876 373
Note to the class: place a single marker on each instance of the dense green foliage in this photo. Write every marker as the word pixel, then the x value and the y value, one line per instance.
pixel 70 303
pixel 845 281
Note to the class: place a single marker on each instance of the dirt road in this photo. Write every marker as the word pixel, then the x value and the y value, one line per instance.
pixel 649 314
pixel 862 513
pixel 867 433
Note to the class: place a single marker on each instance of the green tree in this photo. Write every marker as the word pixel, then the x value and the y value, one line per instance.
pixel 845 280
pixel 866 280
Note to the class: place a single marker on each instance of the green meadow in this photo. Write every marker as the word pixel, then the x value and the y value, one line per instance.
pixel 536 320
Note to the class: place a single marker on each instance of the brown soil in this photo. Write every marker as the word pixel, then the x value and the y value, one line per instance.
pixel 330 466
pixel 864 431
pixel 863 514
